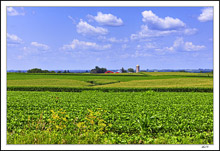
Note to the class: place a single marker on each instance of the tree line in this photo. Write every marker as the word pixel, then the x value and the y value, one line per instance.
pixel 37 70
pixel 95 70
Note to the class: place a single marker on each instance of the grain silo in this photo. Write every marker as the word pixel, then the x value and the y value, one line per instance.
pixel 137 68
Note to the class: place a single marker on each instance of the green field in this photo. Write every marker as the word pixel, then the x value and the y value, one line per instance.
pixel 143 80
pixel 91 117
pixel 128 108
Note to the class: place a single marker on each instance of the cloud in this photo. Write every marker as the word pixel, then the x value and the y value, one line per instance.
pixel 154 22
pixel 190 47
pixel 179 44
pixel 13 39
pixel 34 48
pixel 148 33
pixel 124 46
pixel 76 44
pixel 190 31
pixel 71 18
pixel 40 46
pixel 147 46
pixel 112 39
pixel 106 19
pixel 12 12
pixel 86 29
pixel 137 54
pixel 207 15
pixel 28 51
pixel 158 27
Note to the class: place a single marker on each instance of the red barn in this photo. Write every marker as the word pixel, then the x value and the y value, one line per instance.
pixel 109 72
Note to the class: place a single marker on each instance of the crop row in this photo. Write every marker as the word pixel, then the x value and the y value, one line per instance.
pixel 105 89
pixel 93 117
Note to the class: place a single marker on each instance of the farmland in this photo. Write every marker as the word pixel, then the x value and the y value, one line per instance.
pixel 96 116
pixel 112 80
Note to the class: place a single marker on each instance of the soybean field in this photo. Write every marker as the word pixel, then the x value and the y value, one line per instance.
pixel 139 108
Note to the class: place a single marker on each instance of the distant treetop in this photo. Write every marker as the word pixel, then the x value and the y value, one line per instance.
pixel 36 70
pixel 98 70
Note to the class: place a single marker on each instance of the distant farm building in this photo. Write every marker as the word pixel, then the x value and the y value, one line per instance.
pixel 137 68
pixel 109 72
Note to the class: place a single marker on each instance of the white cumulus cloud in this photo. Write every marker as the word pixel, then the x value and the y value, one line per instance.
pixel 13 39
pixel 86 29
pixel 189 46
pixel 206 15
pixel 39 45
pixel 76 44
pixel 148 33
pixel 106 19
pixel 155 22
pixel 179 43
pixel 12 12
pixel 190 31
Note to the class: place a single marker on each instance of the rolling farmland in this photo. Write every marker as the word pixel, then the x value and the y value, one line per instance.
pixel 169 108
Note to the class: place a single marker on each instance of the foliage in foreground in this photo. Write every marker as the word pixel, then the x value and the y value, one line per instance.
pixel 106 89
pixel 109 118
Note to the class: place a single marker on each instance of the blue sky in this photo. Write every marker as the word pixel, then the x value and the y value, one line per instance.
pixel 75 38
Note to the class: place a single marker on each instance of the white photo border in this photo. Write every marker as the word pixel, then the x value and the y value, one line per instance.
pixel 214 4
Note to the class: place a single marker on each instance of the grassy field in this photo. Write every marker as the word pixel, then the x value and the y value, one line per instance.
pixel 176 73
pixel 128 108
pixel 146 79
pixel 174 82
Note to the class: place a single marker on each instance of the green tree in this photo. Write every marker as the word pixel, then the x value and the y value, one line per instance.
pixel 130 70
pixel 98 70
pixel 123 70
pixel 35 70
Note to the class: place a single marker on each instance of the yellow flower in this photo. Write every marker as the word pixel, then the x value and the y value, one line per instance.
pixel 101 120
pixel 102 124
pixel 92 122
pixel 55 116
pixel 79 124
